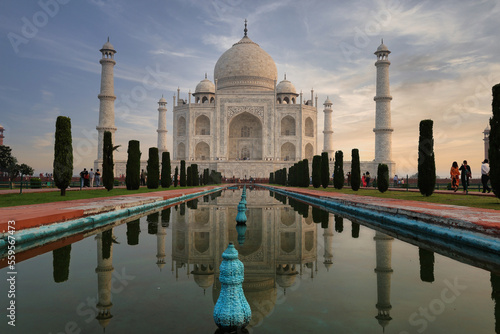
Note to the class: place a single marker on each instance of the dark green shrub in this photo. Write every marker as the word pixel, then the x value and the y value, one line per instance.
pixel 382 178
pixel 133 230
pixel 108 174
pixel 195 177
pixel 166 170
pixel 61 258
pixel 63 154
pixel 426 162
pixel 189 177
pixel 316 171
pixel 182 180
pixel 133 168
pixel 271 178
pixel 325 169
pixel 494 151
pixel 35 183
pixel 355 170
pixel 153 169
pixel 338 172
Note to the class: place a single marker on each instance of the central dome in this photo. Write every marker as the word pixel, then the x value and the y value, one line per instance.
pixel 245 66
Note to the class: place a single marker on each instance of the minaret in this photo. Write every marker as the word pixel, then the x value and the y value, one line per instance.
pixel 104 272
pixel 486 139
pixel 383 130
pixel 106 97
pixel 162 126
pixel 160 246
pixel 328 132
pixel 328 243
pixel 1 135
pixel 383 246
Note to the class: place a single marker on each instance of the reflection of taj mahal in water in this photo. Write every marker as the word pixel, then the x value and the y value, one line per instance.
pixel 279 248
pixel 245 123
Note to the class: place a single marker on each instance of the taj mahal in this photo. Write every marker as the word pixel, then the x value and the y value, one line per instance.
pixel 245 123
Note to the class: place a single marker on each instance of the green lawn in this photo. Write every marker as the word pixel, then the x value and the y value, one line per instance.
pixel 454 199
pixel 55 196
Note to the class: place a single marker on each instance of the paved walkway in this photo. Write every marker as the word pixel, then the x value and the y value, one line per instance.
pixel 27 216
pixel 480 220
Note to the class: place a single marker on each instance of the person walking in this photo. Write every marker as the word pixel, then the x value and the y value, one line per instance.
pixel 367 178
pixel 454 174
pixel 395 181
pixel 91 175
pixel 82 177
pixel 143 178
pixel 363 180
pixel 466 174
pixel 485 175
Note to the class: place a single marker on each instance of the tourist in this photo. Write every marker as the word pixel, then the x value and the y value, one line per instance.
pixel 395 180
pixel 363 180
pixel 91 175
pixel 485 175
pixel 97 178
pixel 86 181
pixel 367 178
pixel 82 177
pixel 454 174
pixel 466 175
pixel 143 178
pixel 348 179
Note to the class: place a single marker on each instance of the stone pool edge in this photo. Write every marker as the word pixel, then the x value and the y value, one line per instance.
pixel 93 221
pixel 446 228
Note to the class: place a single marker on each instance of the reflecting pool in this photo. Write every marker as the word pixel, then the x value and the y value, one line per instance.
pixel 306 271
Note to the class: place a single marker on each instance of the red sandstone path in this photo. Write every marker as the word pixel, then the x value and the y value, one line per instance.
pixel 27 216
pixel 487 220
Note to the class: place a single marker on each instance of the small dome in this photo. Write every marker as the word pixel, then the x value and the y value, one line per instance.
pixel 205 86
pixel 382 47
pixel 327 102
pixel 485 129
pixel 1 127
pixel 108 46
pixel 204 281
pixel 162 100
pixel 285 87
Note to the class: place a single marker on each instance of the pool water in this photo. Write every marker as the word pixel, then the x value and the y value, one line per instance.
pixel 306 271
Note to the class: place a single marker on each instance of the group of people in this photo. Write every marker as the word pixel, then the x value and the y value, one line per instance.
pixel 465 174
pixel 87 178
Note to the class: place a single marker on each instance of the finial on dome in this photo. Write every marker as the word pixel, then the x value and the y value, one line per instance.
pixel 205 75
pixel 285 76
pixel 108 39
pixel 382 41
pixel 245 30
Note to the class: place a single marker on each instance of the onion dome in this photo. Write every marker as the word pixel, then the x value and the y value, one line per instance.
pixel 205 86
pixel 327 102
pixel 285 87
pixel 382 48
pixel 245 65
pixel 162 100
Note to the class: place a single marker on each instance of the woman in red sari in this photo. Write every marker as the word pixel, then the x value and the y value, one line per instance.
pixel 455 174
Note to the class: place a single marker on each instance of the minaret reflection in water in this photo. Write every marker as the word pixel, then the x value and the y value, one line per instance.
pixel 104 272
pixel 383 246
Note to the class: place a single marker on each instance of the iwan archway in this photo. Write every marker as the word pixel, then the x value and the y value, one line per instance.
pixel 245 138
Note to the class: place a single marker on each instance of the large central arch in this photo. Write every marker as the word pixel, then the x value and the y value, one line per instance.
pixel 245 137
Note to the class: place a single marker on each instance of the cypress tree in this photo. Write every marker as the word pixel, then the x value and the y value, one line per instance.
pixel 354 230
pixel 284 176
pixel 305 176
pixel 133 169
pixel 338 172
pixel 426 259
pixel 382 178
pixel 189 177
pixel 316 171
pixel 271 178
pixel 60 263
pixel 182 180
pixel 339 223
pixel 355 170
pixel 133 230
pixel 108 174
pixel 176 174
pixel 195 177
pixel 153 169
pixel 325 169
pixel 166 170
pixel 206 176
pixel 63 154
pixel 494 151
pixel 426 163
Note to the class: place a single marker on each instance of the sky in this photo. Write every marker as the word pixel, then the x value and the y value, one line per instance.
pixel 444 62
